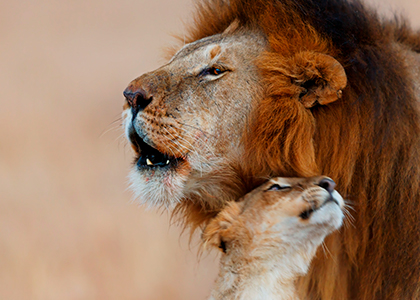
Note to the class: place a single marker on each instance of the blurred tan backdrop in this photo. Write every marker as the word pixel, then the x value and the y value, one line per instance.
pixel 68 229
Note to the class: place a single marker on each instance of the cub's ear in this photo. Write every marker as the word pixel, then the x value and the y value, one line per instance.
pixel 319 78
pixel 218 231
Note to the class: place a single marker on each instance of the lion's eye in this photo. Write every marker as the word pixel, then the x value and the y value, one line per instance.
pixel 214 71
pixel 277 187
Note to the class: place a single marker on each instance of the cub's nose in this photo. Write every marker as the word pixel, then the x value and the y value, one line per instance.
pixel 327 183
pixel 137 98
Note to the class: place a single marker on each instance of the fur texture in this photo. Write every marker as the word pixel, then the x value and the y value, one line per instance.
pixel 311 87
pixel 270 237
pixel 368 141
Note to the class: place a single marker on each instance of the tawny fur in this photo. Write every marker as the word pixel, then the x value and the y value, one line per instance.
pixel 266 242
pixel 265 118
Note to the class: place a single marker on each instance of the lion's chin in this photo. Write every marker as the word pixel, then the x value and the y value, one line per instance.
pixel 159 186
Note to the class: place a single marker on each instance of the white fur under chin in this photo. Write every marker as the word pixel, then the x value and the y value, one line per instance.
pixel 157 190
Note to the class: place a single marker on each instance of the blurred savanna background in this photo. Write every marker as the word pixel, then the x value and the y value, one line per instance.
pixel 68 226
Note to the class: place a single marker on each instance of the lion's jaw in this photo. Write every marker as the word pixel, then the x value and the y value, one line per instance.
pixel 186 126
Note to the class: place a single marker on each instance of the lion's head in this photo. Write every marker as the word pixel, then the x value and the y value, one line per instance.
pixel 266 88
pixel 188 121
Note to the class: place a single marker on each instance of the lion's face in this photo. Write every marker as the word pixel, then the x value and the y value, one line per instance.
pixel 185 120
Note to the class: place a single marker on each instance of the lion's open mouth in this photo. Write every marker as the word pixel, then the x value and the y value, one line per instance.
pixel 150 157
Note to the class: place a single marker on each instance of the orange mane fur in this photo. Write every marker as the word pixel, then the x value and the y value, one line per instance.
pixel 368 141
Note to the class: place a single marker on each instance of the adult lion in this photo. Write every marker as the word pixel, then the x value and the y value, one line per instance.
pixel 292 88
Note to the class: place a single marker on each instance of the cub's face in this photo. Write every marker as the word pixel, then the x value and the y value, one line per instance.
pixel 296 206
pixel 284 214
pixel 186 119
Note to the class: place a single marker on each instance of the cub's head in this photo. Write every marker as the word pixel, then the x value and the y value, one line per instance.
pixel 282 214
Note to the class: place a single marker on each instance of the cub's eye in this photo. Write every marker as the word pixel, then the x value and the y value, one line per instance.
pixel 213 71
pixel 277 187
pixel 306 214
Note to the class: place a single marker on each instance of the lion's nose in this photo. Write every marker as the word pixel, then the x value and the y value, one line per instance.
pixel 327 183
pixel 138 98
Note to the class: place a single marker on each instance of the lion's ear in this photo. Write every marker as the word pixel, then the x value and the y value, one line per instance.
pixel 232 27
pixel 320 78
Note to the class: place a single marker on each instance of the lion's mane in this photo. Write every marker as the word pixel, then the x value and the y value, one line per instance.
pixel 368 140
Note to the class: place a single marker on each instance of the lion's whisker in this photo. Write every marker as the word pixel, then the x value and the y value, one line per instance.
pixel 176 142
pixel 203 142
pixel 192 150
pixel 194 127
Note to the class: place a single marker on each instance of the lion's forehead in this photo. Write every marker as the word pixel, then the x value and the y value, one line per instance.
pixel 200 49
pixel 197 46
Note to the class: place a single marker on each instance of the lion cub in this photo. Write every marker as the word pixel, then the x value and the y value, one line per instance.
pixel 271 236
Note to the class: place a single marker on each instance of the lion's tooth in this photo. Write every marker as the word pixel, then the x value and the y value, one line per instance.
pixel 167 162
pixel 148 162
